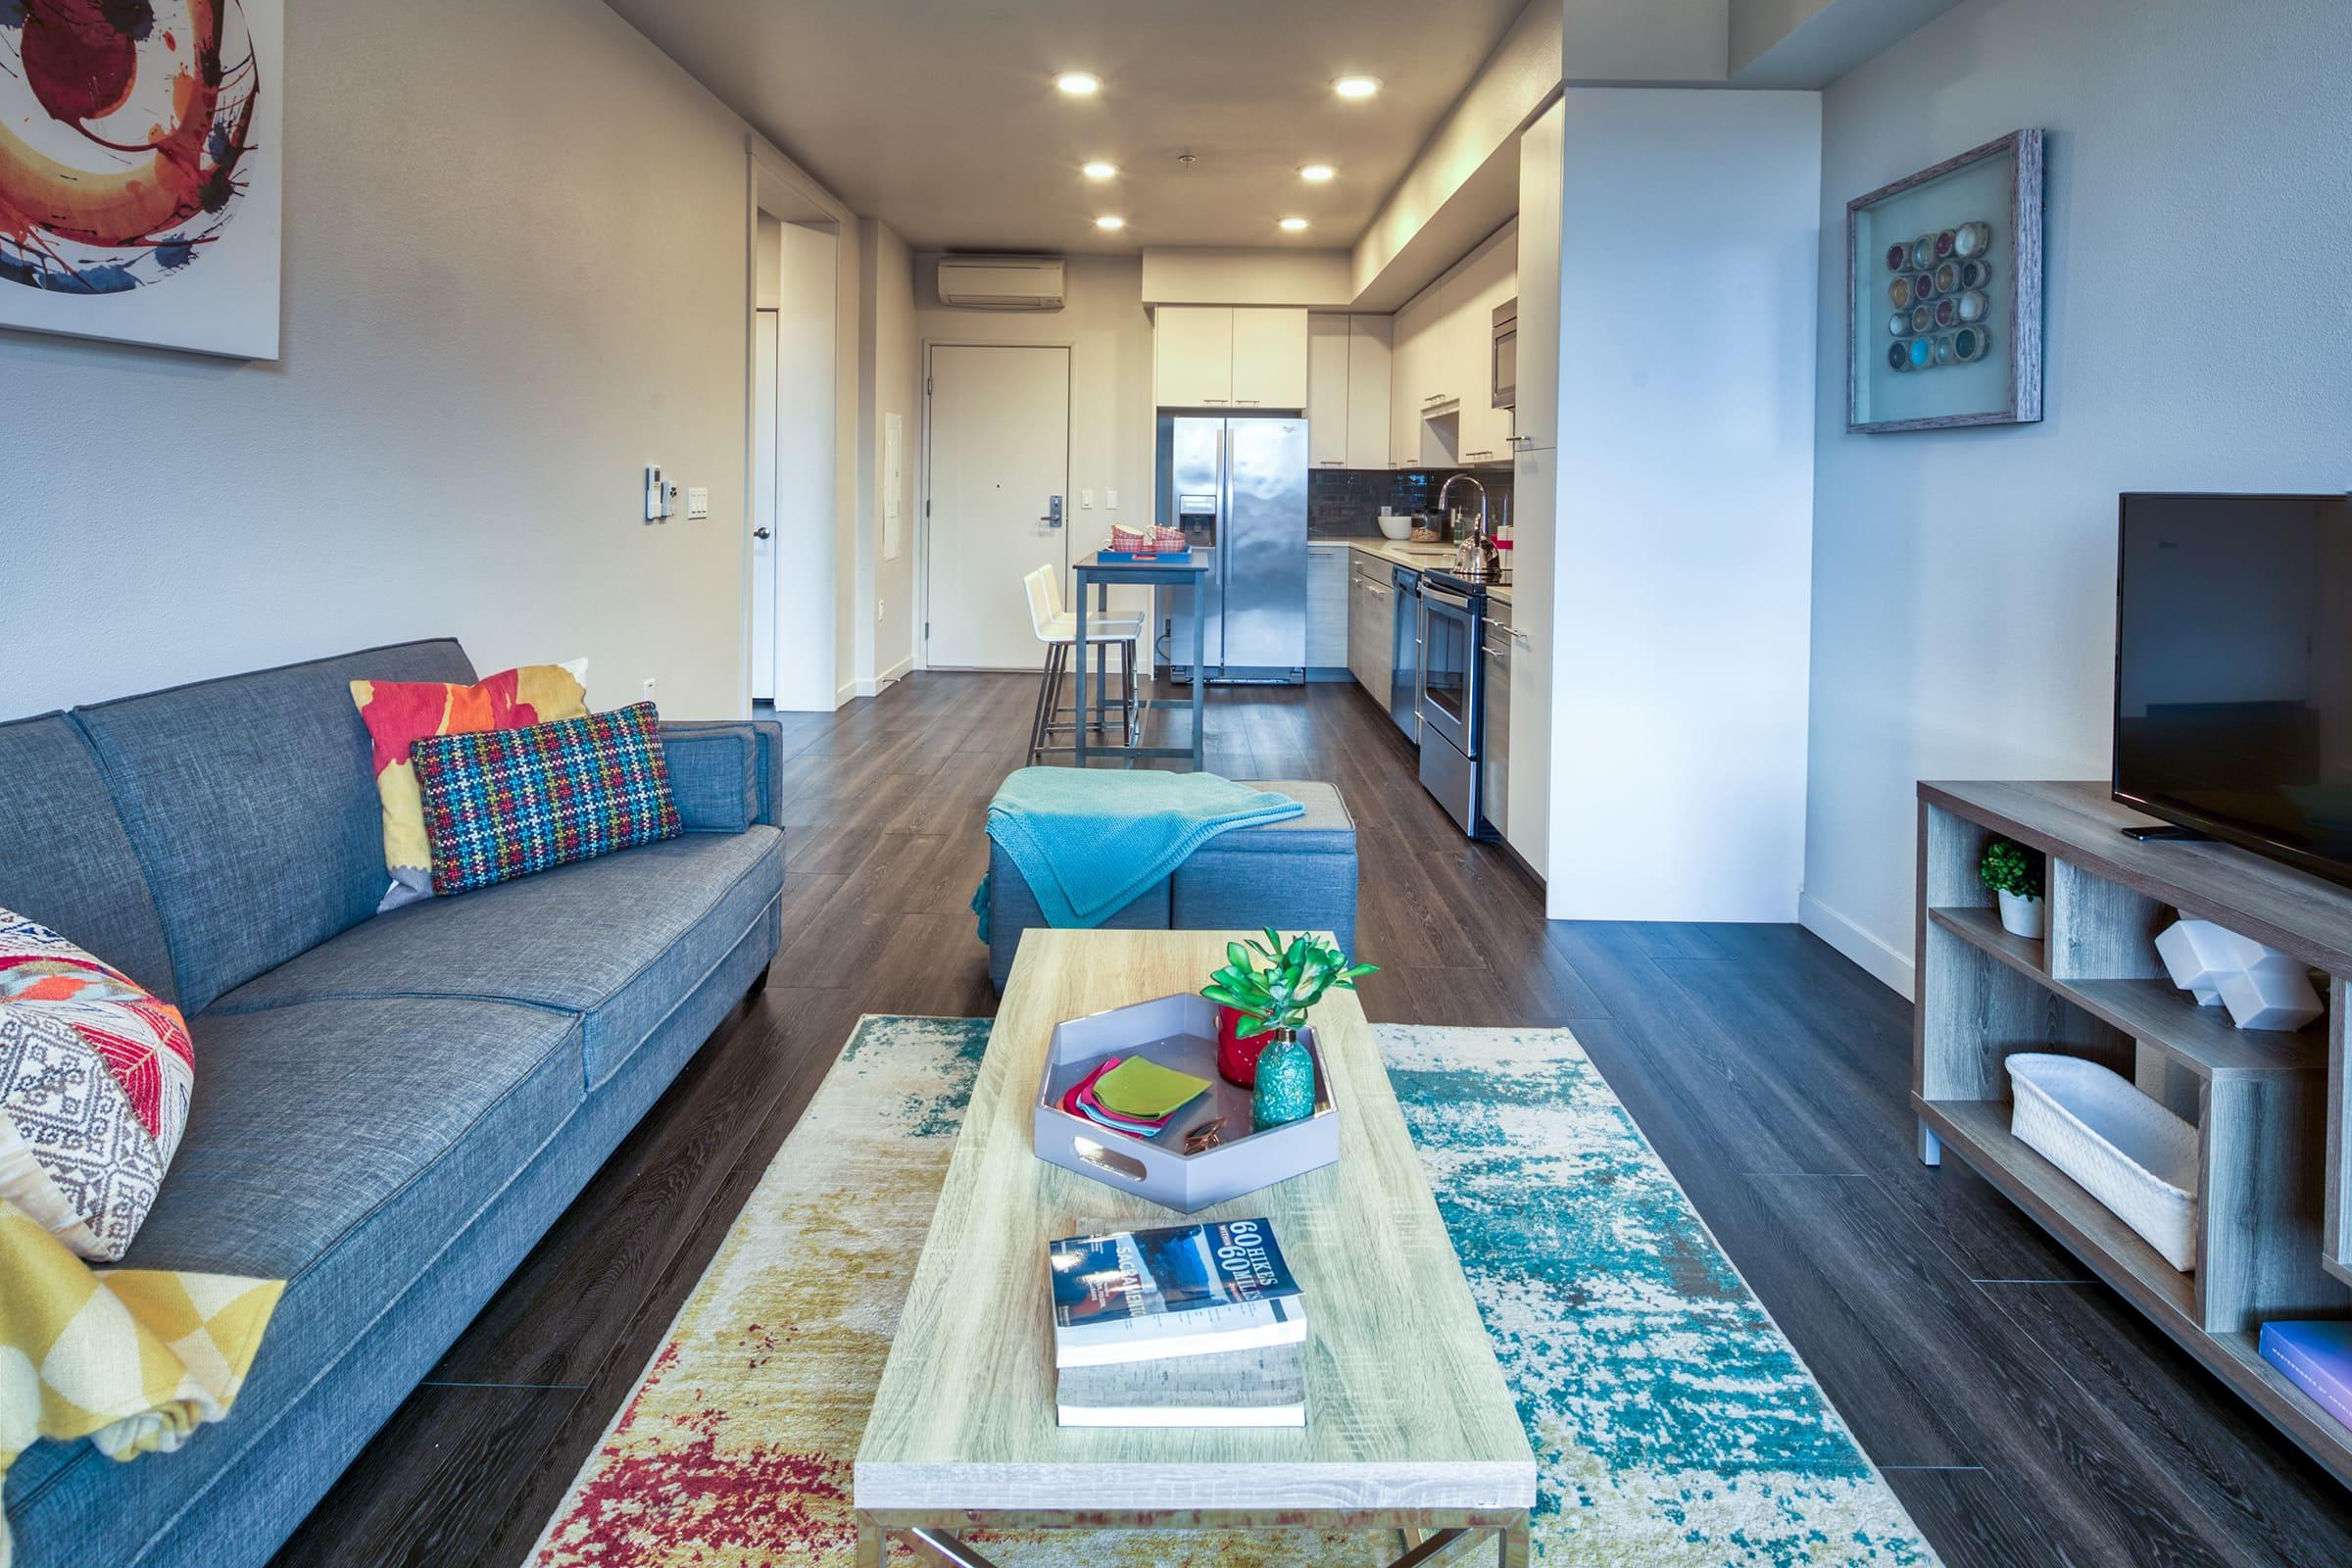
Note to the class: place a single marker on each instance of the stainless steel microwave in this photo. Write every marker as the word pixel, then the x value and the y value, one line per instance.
pixel 1504 360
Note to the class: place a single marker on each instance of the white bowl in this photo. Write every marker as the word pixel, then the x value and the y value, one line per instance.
pixel 1395 528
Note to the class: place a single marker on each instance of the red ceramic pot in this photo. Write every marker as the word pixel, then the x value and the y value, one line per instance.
pixel 1236 1060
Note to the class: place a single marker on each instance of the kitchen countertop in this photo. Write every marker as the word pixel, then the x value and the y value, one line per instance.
pixel 1418 558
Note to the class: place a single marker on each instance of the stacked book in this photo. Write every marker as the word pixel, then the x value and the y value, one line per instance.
pixel 1185 1326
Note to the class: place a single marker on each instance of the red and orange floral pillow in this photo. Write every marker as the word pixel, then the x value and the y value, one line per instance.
pixel 400 713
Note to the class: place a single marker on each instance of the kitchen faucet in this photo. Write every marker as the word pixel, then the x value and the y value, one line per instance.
pixel 1447 489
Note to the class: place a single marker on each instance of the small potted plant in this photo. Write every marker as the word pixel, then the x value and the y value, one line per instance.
pixel 1262 995
pixel 2014 872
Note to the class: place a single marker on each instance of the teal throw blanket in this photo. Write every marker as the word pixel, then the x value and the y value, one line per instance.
pixel 1089 842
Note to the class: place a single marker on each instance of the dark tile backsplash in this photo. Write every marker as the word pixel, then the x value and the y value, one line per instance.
pixel 1342 503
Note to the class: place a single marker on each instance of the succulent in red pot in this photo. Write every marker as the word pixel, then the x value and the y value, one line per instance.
pixel 1264 991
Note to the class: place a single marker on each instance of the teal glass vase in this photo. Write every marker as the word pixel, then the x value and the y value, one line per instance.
pixel 1286 1083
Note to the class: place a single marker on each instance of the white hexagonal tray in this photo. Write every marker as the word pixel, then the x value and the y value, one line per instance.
pixel 1179 1032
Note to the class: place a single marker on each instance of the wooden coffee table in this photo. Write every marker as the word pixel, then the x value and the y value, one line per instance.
pixel 1408 1424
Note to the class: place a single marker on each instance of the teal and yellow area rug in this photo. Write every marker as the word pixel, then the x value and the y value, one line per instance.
pixel 1673 1425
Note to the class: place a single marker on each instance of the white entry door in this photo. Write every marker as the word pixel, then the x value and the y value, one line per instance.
pixel 764 350
pixel 1000 445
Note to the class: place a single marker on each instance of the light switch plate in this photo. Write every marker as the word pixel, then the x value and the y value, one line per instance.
pixel 698 501
pixel 1110 499
pixel 1085 501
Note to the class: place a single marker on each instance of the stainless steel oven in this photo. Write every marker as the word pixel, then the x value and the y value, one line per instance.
pixel 1449 638
pixel 1504 363
pixel 1453 613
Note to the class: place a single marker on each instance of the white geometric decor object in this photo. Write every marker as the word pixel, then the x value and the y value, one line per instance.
pixel 2262 987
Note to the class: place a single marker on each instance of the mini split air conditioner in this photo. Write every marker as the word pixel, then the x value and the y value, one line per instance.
pixel 1001 282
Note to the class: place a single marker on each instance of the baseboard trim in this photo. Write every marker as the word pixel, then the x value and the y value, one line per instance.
pixel 1890 967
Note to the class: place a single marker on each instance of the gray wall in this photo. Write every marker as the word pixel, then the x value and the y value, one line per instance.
pixel 2200 204
pixel 515 257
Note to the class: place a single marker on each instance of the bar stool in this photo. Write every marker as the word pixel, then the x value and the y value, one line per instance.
pixel 1057 629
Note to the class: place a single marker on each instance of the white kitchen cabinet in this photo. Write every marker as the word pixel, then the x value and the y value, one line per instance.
pixel 1371 626
pixel 1269 356
pixel 1327 577
pixel 1535 481
pixel 1326 393
pixel 1368 391
pixel 1540 154
pixel 1225 355
pixel 1348 391
pixel 1494 726
pixel 1420 381
pixel 1487 277
pixel 1192 356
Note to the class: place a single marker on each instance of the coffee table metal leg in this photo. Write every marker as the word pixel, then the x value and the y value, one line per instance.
pixel 943 1547
pixel 1512 1546
pixel 1426 1544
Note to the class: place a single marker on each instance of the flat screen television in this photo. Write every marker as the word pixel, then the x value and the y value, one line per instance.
pixel 2233 670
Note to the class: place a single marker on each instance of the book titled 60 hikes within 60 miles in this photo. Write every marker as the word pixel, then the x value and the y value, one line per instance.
pixel 1186 1290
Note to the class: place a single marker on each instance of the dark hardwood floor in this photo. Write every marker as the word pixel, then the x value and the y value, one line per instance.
pixel 2022 1414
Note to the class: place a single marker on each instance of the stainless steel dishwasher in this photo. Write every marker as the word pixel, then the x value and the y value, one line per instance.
pixel 1404 683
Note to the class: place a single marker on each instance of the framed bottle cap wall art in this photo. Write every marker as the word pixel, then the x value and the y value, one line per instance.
pixel 1960 245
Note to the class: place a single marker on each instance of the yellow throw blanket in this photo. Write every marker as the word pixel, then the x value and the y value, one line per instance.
pixel 134 1359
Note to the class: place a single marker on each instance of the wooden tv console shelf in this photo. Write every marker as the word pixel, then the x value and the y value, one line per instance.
pixel 2274 1213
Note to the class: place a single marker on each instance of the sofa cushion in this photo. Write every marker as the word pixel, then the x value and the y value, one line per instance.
pixel 619 938
pixel 65 859
pixel 253 809
pixel 504 804
pixel 715 774
pixel 95 1075
pixel 340 1146
pixel 398 714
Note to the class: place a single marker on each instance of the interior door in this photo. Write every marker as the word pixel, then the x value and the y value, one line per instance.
pixel 999 461
pixel 764 332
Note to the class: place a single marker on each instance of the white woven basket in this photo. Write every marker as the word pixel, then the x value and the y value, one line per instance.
pixel 2125 1150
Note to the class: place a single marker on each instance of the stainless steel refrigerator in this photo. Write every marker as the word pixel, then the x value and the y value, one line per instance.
pixel 1238 489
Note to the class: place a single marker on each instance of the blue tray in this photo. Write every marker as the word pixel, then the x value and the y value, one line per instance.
pixel 1128 558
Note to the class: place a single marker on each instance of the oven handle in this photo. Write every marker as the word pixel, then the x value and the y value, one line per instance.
pixel 1453 601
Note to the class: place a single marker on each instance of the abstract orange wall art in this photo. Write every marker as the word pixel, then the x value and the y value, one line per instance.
pixel 140 171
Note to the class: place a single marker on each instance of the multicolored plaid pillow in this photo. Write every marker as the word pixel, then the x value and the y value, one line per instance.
pixel 503 802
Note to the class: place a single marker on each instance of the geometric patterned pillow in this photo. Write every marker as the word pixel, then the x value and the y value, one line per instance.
pixel 401 712
pixel 95 1080
pixel 502 803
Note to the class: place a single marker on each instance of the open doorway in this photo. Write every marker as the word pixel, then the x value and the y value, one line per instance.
pixel 794 446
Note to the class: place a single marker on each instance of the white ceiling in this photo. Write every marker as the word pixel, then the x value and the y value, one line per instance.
pixel 939 116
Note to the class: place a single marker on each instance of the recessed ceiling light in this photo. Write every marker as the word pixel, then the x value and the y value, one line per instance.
pixel 1356 86
pixel 1316 173
pixel 1107 221
pixel 1101 169
pixel 1078 84
pixel 1293 224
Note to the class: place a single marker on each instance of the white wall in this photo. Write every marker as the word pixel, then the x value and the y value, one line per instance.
pixel 1103 323
pixel 1258 276
pixel 1684 504
pixel 482 347
pixel 2200 165
pixel 890 381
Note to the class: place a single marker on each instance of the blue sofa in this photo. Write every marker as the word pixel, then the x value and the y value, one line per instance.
pixel 390 1109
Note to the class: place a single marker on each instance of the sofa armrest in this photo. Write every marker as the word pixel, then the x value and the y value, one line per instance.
pixel 725 774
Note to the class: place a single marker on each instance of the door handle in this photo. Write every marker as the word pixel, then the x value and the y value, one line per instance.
pixel 760 533
pixel 1052 516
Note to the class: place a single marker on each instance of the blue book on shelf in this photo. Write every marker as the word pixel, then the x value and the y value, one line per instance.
pixel 2316 1358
